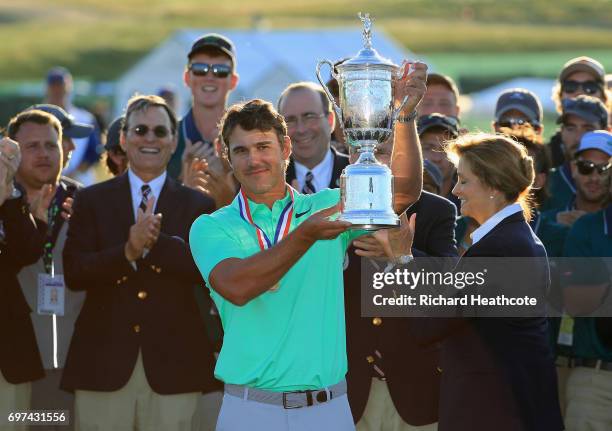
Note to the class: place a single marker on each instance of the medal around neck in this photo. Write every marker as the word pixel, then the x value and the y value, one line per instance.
pixel 367 114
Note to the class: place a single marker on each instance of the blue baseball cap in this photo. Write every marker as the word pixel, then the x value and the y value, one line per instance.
pixel 597 140
pixel 70 127
pixel 58 75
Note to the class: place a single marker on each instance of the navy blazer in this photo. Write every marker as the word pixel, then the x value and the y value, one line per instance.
pixel 410 369
pixel 497 373
pixel 151 310
pixel 21 245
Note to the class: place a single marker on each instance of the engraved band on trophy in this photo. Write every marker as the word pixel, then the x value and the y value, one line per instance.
pixel 366 113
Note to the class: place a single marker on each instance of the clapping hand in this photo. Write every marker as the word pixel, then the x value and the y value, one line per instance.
pixel 144 233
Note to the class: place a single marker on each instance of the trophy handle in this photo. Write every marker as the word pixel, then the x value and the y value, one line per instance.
pixel 337 109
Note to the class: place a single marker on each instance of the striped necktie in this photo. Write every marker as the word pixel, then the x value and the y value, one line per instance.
pixel 145 191
pixel 309 187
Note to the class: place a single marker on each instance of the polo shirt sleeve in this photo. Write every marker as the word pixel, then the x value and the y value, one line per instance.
pixel 211 243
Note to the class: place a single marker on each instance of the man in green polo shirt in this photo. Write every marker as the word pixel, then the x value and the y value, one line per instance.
pixel 589 385
pixel 273 260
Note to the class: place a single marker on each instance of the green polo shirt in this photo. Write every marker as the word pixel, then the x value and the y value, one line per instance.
pixel 561 188
pixel 292 338
pixel 590 236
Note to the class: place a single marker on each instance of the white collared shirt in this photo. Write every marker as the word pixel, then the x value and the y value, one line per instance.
pixel 322 173
pixel 136 188
pixel 493 221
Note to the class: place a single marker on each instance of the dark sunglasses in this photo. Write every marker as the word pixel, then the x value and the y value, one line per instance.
pixel 513 122
pixel 158 131
pixel 218 70
pixel 586 167
pixel 589 87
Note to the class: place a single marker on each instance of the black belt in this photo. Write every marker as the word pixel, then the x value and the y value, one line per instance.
pixel 592 363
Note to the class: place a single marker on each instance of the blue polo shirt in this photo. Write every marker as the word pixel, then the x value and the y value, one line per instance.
pixel 590 236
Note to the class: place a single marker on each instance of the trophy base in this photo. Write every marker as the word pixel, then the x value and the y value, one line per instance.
pixel 367 220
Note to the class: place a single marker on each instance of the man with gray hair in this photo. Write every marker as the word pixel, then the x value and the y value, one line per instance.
pixel 314 165
pixel 139 356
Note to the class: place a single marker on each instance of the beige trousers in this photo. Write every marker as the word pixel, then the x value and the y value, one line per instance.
pixel 589 400
pixel 13 398
pixel 380 413
pixel 134 407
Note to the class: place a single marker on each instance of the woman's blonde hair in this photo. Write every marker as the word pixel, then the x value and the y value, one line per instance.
pixel 499 162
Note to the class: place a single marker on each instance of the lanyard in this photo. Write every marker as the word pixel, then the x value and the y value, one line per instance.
pixel 282 227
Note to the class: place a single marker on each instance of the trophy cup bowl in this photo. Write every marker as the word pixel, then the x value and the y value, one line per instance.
pixel 367 114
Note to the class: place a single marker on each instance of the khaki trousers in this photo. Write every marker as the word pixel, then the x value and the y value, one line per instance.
pixel 380 413
pixel 134 407
pixel 589 400
pixel 13 398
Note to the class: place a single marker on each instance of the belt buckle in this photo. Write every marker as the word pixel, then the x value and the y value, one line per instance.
pixel 287 406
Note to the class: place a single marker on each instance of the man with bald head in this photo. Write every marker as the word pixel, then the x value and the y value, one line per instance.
pixel 315 165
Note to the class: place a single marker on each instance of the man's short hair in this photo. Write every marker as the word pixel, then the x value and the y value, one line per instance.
pixel 444 80
pixel 33 116
pixel 325 102
pixel 255 114
pixel 142 103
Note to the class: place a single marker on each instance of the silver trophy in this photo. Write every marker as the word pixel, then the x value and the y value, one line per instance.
pixel 367 115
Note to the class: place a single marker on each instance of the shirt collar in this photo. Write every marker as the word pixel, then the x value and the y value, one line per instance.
pixel 136 184
pixel 190 131
pixel 322 172
pixel 493 221
pixel 257 207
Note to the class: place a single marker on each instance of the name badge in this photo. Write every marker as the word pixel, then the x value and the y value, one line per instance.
pixel 51 294
pixel 566 331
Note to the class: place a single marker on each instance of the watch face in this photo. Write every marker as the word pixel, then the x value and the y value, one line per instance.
pixel 16 193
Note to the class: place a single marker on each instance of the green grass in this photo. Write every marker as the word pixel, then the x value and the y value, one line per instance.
pixel 101 39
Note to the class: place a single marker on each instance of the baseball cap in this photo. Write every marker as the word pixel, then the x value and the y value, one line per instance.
pixel 438 121
pixel 587 107
pixel 58 75
pixel 597 140
pixel 433 171
pixel 112 134
pixel 214 40
pixel 522 100
pixel 70 127
pixel 583 64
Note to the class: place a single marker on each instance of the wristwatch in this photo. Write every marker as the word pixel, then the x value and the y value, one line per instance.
pixel 16 193
pixel 404 259
pixel 407 118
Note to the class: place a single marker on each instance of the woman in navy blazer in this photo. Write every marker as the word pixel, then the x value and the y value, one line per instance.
pixel 497 373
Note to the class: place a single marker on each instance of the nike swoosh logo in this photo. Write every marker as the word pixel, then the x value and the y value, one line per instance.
pixel 298 215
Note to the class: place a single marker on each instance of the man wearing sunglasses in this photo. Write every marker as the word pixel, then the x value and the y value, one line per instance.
pixel 139 354
pixel 590 171
pixel 579 76
pixel 580 115
pixel 589 383
pixel 519 109
pixel 211 75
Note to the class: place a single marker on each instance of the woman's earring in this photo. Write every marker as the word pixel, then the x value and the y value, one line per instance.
pixel 492 197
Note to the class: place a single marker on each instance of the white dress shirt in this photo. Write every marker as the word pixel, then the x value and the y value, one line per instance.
pixel 136 188
pixel 493 221
pixel 322 173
